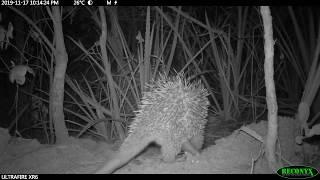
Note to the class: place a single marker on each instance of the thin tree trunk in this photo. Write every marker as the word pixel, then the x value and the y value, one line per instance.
pixel 271 97
pixel 57 87
pixel 114 105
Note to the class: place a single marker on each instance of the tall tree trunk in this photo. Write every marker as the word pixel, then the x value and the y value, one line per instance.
pixel 57 86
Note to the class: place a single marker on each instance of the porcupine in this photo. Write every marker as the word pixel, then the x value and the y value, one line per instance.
pixel 172 114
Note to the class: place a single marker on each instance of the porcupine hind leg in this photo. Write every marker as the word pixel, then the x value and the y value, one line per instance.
pixel 193 145
pixel 189 147
pixel 168 152
pixel 197 141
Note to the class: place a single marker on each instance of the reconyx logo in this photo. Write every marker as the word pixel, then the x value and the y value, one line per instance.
pixel 297 172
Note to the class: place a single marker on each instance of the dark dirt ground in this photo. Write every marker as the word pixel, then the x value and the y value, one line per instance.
pixel 228 150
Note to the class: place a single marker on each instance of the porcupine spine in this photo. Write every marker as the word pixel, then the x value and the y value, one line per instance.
pixel 172 114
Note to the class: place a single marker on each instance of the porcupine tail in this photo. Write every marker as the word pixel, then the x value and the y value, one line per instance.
pixel 131 147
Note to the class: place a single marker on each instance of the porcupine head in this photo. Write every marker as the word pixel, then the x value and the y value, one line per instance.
pixel 172 114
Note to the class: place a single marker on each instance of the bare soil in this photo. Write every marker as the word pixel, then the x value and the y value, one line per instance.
pixel 228 150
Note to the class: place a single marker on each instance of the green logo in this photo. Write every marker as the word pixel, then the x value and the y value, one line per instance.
pixel 297 172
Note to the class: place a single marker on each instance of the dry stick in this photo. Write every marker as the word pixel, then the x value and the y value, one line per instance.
pixel 270 89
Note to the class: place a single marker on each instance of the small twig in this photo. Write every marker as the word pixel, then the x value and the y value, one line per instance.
pixel 261 152
pixel 252 133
